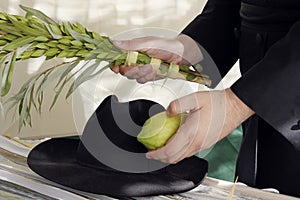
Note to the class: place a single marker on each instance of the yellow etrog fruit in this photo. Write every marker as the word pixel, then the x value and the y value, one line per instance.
pixel 158 129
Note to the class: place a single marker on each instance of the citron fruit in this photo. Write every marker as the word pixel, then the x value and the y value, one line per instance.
pixel 158 129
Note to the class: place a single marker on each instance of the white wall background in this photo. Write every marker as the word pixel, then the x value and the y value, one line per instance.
pixel 107 17
pixel 113 16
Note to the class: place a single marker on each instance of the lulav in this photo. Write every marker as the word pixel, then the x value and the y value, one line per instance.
pixel 35 35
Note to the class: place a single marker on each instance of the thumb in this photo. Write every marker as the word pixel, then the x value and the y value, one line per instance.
pixel 184 104
pixel 130 45
pixel 122 44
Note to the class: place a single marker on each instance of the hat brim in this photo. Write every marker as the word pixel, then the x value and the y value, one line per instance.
pixel 55 160
pixel 108 159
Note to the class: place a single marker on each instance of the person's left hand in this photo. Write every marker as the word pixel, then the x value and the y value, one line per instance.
pixel 212 116
pixel 181 50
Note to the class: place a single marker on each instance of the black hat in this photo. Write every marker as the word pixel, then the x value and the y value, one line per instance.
pixel 108 160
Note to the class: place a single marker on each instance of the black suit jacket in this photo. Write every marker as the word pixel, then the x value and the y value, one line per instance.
pixel 270 83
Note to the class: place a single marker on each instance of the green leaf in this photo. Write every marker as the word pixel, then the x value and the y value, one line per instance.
pixel 86 75
pixel 10 29
pixel 55 29
pixel 80 69
pixel 18 43
pixel 81 78
pixel 79 36
pixel 16 99
pixel 31 98
pixel 38 53
pixel 69 68
pixel 184 68
pixel 7 74
pixel 3 16
pixel 190 77
pixel 50 76
pixel 41 46
pixel 38 14
pixel 24 111
pixel 24 28
pixel 4 58
pixel 143 59
pixel 163 68
pixel 40 27
pixel 3 42
pixel 41 39
pixel 58 92
pixel 80 27
pixel 198 68
pixel 52 33
pixel 40 101
pixel 9 37
pixel 64 76
pixel 21 98
pixel 119 62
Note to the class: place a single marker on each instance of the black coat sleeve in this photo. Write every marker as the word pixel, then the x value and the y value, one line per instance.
pixel 215 30
pixel 272 86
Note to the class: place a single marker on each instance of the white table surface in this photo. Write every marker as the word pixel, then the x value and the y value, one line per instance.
pixel 18 179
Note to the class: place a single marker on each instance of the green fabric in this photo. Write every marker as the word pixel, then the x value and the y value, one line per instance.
pixel 222 156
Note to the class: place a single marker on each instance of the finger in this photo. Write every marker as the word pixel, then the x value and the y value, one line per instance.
pixel 175 148
pixel 122 44
pixel 189 131
pixel 166 155
pixel 148 77
pixel 137 44
pixel 144 70
pixel 136 72
pixel 168 50
pixel 124 69
pixel 187 103
pixel 115 69
pixel 186 155
pixel 207 135
pixel 133 73
pixel 190 151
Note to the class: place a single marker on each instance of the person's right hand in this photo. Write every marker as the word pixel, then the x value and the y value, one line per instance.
pixel 170 50
pixel 212 115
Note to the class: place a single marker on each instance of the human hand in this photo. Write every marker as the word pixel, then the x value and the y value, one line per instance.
pixel 212 116
pixel 181 50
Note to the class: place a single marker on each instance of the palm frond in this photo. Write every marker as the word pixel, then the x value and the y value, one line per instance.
pixel 37 35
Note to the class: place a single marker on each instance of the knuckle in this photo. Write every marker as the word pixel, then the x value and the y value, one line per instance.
pixel 150 76
pixel 173 161
pixel 176 58
pixel 168 155
pixel 145 70
pixel 141 80
pixel 173 107
pixel 131 44
pixel 192 136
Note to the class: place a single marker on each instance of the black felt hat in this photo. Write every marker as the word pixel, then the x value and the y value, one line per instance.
pixel 108 160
